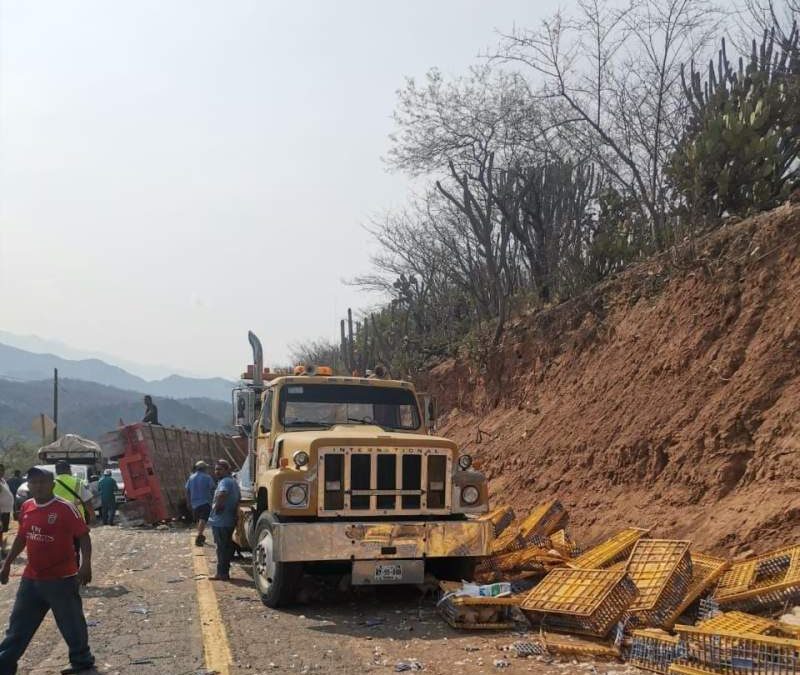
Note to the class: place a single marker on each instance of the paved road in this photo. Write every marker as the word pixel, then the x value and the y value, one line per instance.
pixel 142 608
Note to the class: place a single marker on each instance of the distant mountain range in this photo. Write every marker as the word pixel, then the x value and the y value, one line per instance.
pixel 91 409
pixel 23 365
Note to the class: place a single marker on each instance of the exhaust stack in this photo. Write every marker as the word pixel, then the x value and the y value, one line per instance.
pixel 258 358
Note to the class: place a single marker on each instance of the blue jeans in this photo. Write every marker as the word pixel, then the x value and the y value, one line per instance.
pixel 223 537
pixel 34 600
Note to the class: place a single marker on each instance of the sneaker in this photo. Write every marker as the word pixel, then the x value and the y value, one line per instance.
pixel 199 540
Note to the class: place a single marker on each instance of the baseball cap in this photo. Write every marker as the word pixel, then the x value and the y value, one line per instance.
pixel 200 465
pixel 36 471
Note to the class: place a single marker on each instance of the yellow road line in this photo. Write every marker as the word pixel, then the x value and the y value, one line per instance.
pixel 216 649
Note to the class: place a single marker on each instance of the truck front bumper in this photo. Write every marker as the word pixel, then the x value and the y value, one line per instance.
pixel 321 541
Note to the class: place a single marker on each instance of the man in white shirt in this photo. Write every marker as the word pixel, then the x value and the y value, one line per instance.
pixel 6 507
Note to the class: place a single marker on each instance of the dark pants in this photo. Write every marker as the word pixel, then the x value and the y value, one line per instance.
pixel 108 510
pixel 34 600
pixel 223 537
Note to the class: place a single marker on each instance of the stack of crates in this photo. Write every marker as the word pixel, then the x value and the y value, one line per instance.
pixel 587 602
pixel 768 581
pixel 543 521
pixel 738 622
pixel 655 650
pixel 662 572
pixel 735 653
pixel 612 551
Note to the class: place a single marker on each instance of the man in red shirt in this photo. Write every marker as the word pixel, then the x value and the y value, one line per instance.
pixel 48 527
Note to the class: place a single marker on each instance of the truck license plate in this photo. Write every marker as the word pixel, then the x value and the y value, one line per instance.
pixel 388 573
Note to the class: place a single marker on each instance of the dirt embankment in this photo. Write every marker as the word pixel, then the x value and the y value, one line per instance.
pixel 668 396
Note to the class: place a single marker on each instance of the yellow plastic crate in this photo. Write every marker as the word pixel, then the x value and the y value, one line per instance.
pixel 765 581
pixel 662 571
pixel 544 520
pixel 740 653
pixel 738 622
pixel 569 645
pixel 706 570
pixel 686 668
pixel 654 649
pixel 587 602
pixel 475 613
pixel 565 544
pixel 611 551
pixel 500 518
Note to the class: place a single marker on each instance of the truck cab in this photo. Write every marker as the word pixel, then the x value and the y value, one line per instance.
pixel 344 475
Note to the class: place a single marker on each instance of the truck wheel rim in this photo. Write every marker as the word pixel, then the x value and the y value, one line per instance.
pixel 265 564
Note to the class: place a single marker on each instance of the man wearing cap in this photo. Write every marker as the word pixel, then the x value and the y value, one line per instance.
pixel 73 490
pixel 223 518
pixel 199 490
pixel 48 526
pixel 107 487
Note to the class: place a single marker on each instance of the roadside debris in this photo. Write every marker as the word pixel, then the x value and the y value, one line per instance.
pixel 656 603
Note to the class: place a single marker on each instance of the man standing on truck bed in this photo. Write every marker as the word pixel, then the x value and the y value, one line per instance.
pixel 51 579
pixel 224 511
pixel 150 411
pixel 199 492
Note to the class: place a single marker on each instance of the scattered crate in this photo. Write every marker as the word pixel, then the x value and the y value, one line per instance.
pixel 587 602
pixel 706 570
pixel 686 668
pixel 510 565
pixel 654 649
pixel 568 645
pixel 662 571
pixel 543 521
pixel 740 653
pixel 738 622
pixel 767 581
pixel 500 518
pixel 475 613
pixel 564 544
pixel 611 551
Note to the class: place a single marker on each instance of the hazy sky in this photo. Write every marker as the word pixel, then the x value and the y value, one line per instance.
pixel 174 173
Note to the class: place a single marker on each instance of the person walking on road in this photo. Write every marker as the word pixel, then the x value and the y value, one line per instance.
pixel 51 580
pixel 107 487
pixel 199 493
pixel 224 511
pixel 150 411
pixel 6 507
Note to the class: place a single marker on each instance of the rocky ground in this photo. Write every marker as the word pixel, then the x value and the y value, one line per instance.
pixel 143 620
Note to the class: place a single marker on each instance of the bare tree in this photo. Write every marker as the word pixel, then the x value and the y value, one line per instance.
pixel 612 78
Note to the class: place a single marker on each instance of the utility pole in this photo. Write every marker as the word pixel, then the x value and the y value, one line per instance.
pixel 55 404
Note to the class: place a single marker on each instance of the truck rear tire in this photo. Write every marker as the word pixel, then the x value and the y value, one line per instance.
pixel 276 582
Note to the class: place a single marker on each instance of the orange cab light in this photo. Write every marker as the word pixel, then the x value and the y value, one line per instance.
pixel 324 370
pixel 299 370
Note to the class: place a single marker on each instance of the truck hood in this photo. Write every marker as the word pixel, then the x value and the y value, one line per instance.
pixel 360 434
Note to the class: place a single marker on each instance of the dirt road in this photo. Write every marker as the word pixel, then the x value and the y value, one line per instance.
pixel 143 615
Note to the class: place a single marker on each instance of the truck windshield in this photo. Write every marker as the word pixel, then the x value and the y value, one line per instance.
pixel 323 405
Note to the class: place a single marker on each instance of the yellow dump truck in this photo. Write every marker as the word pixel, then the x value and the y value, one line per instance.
pixel 343 475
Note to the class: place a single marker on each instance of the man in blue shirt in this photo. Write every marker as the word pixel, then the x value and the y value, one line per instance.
pixel 224 512
pixel 199 489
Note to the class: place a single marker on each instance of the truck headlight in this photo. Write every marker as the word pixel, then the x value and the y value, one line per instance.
pixel 297 494
pixel 464 462
pixel 470 495
pixel 300 458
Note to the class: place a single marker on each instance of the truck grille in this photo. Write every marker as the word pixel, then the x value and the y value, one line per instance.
pixel 378 481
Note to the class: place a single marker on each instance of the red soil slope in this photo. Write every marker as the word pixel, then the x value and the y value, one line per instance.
pixel 668 396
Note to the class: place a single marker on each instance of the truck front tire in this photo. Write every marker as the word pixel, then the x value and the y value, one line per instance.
pixel 276 582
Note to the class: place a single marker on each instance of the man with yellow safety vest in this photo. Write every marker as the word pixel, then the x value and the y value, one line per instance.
pixel 72 489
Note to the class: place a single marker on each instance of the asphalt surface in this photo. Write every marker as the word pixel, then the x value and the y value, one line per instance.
pixel 142 609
